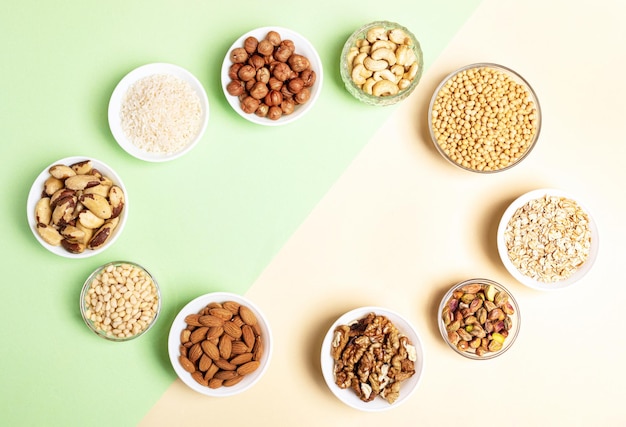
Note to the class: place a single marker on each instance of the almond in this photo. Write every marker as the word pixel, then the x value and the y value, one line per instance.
pixel 210 350
pixel 248 335
pixel 225 346
pixel 231 306
pixel 224 365
pixel 248 368
pixel 211 371
pixel 214 332
pixel 187 364
pixel 231 382
pixel 240 359
pixel 247 315
pixel 222 313
pixel 199 377
pixel 194 353
pixel 233 330
pixel 215 383
pixel 225 375
pixel 257 351
pixel 198 334
pixel 204 363
pixel 209 320
pixel 239 347
pixel 184 335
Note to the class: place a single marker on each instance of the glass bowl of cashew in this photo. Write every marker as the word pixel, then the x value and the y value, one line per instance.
pixel 381 63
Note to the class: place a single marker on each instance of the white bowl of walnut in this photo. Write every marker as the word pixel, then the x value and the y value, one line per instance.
pixel 272 76
pixel 220 344
pixel 547 239
pixel 77 207
pixel 396 356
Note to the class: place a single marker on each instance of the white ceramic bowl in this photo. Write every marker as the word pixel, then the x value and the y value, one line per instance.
pixel 526 280
pixel 174 342
pixel 348 396
pixel 36 191
pixel 115 104
pixel 302 47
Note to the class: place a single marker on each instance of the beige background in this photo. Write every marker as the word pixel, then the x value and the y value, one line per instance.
pixel 402 225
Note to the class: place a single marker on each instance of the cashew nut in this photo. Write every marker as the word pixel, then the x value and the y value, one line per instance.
pixel 385 88
pixel 386 74
pixel 357 78
pixel 410 75
pixel 384 44
pixel 365 49
pixel 376 33
pixel 403 84
pixel 367 86
pixel 398 71
pixel 374 65
pixel 359 58
pixel 385 54
pixel 352 53
pixel 405 55
pixel 398 36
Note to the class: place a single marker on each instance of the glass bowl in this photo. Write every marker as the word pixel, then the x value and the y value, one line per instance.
pixel 120 301
pixel 479 319
pixel 478 124
pixel 348 396
pixel 557 232
pixel 183 338
pixel 347 62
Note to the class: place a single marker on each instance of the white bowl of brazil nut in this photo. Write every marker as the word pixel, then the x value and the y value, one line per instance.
pixel 120 301
pixel 57 233
pixel 381 63
pixel 547 239
pixel 484 118
pixel 158 112
pixel 220 344
pixel 282 95
pixel 334 345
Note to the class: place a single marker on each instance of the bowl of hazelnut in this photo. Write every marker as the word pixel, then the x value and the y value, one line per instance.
pixel 272 76
pixel 381 63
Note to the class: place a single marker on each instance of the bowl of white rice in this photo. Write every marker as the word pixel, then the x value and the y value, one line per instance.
pixel 158 112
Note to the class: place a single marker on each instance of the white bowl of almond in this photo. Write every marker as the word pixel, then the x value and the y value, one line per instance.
pixel 390 366
pixel 77 207
pixel 220 344
pixel 547 239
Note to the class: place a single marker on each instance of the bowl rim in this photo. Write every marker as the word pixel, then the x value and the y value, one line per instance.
pixel 178 324
pixel 513 74
pixel 132 77
pixel 407 388
pixel 36 191
pixel 371 99
pixel 87 286
pixel 301 43
pixel 517 319
pixel 527 281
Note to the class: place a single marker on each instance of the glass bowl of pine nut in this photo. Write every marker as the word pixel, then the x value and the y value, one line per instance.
pixel 381 63
pixel 484 118
pixel 120 301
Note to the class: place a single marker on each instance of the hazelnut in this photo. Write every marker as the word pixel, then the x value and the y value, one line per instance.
pixel 256 61
pixel 288 106
pixel 273 37
pixel 308 76
pixel 265 47
pixel 295 85
pixel 233 70
pixel 249 104
pixel 281 71
pixel 290 44
pixel 238 55
pixel 235 88
pixel 274 98
pixel 259 90
pixel 246 72
pixel 250 44
pixel 303 96
pixel 298 63
pixel 274 83
pixel 263 75
pixel 249 84
pixel 274 113
pixel 286 92
pixel 283 52
pixel 262 110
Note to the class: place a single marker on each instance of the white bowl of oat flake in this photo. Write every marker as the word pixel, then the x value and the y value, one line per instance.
pixel 158 112
pixel 547 239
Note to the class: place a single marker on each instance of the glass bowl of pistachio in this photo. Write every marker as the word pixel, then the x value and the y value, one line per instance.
pixel 479 319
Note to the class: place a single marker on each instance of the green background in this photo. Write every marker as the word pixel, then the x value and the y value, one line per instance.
pixel 209 221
